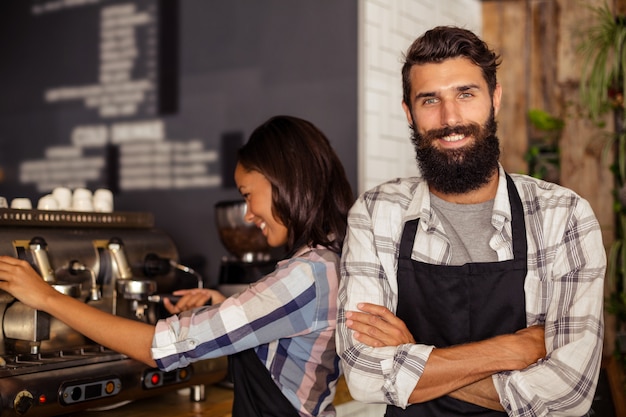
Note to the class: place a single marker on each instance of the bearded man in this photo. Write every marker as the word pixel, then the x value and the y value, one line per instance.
pixel 467 290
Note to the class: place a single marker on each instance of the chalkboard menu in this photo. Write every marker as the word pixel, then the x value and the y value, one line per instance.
pixel 110 68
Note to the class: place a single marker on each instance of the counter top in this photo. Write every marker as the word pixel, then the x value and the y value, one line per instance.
pixel 218 400
pixel 218 403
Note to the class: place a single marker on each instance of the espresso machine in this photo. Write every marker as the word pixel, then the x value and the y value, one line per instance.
pixel 115 262
pixel 249 256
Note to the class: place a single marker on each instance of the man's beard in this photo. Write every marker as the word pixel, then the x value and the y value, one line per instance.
pixel 457 171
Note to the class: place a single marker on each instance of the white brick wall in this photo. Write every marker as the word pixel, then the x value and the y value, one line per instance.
pixel 387 28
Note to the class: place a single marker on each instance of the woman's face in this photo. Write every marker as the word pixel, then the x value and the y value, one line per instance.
pixel 257 191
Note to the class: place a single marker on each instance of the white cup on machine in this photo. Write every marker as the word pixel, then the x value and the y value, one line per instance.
pixel 82 200
pixel 103 200
pixel 3 203
pixel 47 202
pixel 21 203
pixel 63 196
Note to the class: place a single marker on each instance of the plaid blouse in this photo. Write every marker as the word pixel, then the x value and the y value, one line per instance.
pixel 288 317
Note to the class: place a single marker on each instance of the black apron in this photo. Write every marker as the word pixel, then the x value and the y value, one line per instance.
pixel 450 305
pixel 255 392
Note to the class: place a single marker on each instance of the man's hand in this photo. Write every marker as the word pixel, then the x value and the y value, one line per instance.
pixel 531 345
pixel 376 326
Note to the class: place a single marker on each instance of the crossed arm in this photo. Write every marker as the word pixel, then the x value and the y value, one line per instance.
pixel 462 372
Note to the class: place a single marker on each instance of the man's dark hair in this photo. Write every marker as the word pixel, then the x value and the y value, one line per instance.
pixel 446 42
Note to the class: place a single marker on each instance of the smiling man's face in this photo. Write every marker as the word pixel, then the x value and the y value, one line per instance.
pixel 453 118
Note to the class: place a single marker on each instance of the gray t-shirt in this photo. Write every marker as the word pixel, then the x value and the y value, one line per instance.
pixel 469 229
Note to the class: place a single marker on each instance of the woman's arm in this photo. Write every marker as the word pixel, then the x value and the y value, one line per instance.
pixel 286 303
pixel 132 338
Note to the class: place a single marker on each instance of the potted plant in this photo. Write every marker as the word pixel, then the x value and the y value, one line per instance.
pixel 602 91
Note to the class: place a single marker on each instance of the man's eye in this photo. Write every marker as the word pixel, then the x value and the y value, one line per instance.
pixel 432 100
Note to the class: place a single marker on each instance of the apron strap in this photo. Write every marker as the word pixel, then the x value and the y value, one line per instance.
pixel 518 227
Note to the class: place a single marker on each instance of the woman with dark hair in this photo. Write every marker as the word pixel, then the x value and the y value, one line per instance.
pixel 310 193
pixel 279 331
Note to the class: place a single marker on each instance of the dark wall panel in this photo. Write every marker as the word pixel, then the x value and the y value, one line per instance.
pixel 236 64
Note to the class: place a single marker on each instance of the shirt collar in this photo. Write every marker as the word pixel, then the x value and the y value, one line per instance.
pixel 501 205
pixel 420 204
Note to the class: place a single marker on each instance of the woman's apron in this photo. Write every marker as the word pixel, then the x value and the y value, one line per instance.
pixel 451 305
pixel 255 392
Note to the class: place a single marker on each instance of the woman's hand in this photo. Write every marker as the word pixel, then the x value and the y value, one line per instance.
pixel 131 337
pixel 18 278
pixel 193 298
pixel 376 326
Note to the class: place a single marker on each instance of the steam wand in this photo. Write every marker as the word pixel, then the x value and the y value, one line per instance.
pixel 188 270
pixel 76 266
pixel 155 265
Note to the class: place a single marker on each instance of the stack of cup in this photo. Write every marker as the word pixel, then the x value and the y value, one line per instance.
pixel 103 200
pixel 63 197
pixel 82 200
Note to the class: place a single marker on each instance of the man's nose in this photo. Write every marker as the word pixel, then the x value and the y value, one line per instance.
pixel 450 115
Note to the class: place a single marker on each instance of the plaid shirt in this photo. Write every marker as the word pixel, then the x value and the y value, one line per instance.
pixel 564 290
pixel 289 317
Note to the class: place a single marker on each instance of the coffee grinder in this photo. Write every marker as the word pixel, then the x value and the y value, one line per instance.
pixel 250 258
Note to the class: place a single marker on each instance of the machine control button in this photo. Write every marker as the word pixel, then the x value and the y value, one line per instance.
pixel 109 387
pixel 23 402
pixel 76 393
pixel 156 378
pixel 87 390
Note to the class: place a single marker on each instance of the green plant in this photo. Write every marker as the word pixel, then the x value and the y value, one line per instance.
pixel 605 61
pixel 602 92
pixel 543 147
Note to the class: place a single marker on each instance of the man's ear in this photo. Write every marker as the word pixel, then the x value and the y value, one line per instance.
pixel 497 99
pixel 407 112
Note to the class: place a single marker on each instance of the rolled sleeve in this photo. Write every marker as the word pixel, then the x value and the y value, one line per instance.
pixel 564 383
pixel 374 375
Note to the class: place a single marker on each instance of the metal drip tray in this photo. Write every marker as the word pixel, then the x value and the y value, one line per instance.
pixel 23 364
